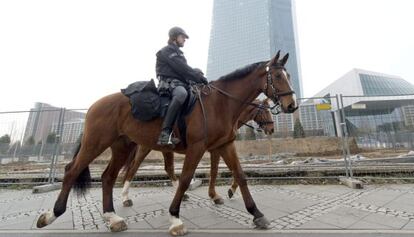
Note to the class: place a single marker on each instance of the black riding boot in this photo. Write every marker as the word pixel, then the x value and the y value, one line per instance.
pixel 165 137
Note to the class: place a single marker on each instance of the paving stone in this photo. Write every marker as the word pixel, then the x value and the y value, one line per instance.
pixel 390 221
pixel 337 220
pixel 229 225
pixel 157 222
pixel 196 212
pixel 67 225
pixel 349 211
pixel 146 208
pixel 365 225
pixel 139 225
pixel 399 204
pixel 317 225
pixel 207 221
pixel 409 225
pixel 20 225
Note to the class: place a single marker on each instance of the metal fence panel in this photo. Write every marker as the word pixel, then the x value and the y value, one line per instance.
pixel 36 145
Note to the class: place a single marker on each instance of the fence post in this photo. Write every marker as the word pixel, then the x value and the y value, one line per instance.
pixel 340 131
pixel 345 135
pixel 52 172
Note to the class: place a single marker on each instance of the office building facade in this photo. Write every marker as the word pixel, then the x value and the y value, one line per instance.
pixel 249 31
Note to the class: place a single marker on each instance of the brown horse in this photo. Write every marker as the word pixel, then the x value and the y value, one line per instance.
pixel 211 126
pixel 260 114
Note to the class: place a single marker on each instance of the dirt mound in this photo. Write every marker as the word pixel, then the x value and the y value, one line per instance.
pixel 309 146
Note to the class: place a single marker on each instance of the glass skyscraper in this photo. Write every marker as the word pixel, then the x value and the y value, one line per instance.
pixel 249 31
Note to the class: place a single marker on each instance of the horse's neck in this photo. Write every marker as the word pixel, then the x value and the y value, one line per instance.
pixel 245 90
pixel 247 114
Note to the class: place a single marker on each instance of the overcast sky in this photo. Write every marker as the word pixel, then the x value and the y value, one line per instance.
pixel 71 53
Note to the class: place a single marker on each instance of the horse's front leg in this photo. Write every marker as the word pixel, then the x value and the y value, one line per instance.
pixel 192 158
pixel 229 154
pixel 215 160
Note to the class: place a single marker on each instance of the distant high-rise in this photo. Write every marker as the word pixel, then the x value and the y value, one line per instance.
pixel 42 119
pixel 249 31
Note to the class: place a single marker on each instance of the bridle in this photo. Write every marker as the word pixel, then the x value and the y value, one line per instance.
pixel 260 110
pixel 269 84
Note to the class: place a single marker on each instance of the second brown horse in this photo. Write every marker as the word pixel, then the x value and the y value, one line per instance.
pixel 260 114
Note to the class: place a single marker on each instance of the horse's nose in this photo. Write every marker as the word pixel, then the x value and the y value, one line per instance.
pixel 291 108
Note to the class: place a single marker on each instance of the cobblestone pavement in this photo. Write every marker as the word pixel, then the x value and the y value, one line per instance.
pixel 288 207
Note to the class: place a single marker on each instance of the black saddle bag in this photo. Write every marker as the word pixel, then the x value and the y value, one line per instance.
pixel 144 99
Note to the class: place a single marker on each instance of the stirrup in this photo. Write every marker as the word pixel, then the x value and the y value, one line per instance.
pixel 172 141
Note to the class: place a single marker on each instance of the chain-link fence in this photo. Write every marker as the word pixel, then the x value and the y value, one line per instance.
pixel 326 137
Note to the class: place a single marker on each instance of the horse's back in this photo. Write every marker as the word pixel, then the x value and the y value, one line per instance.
pixel 105 113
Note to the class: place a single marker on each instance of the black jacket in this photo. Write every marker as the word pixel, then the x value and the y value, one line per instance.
pixel 171 63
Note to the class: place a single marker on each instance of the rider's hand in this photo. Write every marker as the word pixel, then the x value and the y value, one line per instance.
pixel 204 81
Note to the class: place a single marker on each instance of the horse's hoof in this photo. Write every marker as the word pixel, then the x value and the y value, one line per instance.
pixel 118 226
pixel 261 223
pixel 230 193
pixel 219 201
pixel 186 197
pixel 46 219
pixel 127 203
pixel 41 222
pixel 178 230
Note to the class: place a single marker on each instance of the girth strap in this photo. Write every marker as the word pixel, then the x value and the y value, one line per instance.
pixel 198 92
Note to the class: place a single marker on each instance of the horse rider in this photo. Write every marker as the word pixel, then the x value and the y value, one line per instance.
pixel 175 77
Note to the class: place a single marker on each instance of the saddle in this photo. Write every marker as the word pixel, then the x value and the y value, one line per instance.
pixel 147 104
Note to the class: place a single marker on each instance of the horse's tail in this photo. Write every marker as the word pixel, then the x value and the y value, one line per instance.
pixel 83 181
pixel 129 162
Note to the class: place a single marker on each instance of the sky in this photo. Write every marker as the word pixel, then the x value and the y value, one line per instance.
pixel 71 53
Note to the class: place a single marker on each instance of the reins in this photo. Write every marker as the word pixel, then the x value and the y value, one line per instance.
pixel 261 106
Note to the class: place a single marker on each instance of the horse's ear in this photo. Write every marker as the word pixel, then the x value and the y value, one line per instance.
pixel 284 59
pixel 275 58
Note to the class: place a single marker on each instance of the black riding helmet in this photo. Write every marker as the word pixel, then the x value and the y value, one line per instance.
pixel 176 31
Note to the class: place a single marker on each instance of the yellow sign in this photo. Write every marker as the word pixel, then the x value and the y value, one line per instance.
pixel 359 106
pixel 323 107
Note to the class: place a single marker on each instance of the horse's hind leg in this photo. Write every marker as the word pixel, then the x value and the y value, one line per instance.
pixel 76 172
pixel 233 188
pixel 120 151
pixel 140 155
pixel 169 168
pixel 215 159
pixel 229 154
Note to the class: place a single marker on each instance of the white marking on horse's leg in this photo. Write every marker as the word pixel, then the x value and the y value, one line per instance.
pixel 50 217
pixel 177 226
pixel 217 196
pixel 112 217
pixel 116 223
pixel 125 191
pixel 175 184
pixel 217 199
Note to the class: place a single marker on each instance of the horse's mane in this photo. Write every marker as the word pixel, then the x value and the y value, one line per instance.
pixel 241 72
